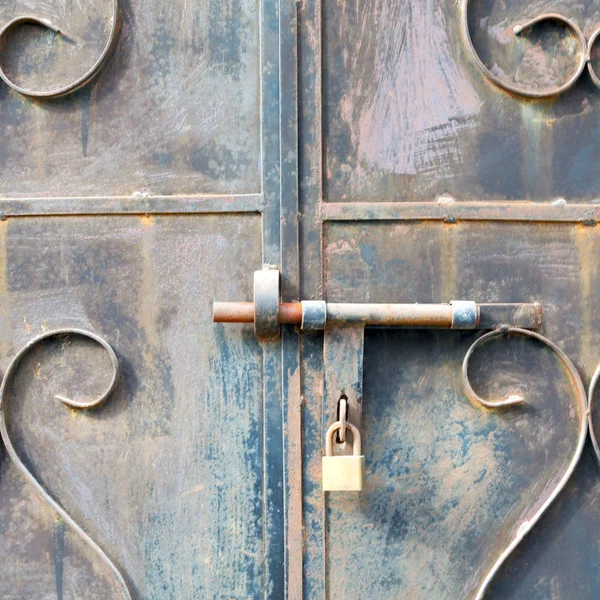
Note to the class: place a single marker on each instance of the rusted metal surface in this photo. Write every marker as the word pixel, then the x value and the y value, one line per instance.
pixel 191 480
pixel 549 496
pixel 138 203
pixel 583 54
pixel 290 313
pixel 343 372
pixel 592 402
pixel 267 298
pixel 450 211
pixel 525 316
pixel 409 117
pixel 389 314
pixel 167 476
pixel 129 206
pixel 175 112
pixel 314 315
pixel 424 181
pixel 343 353
pixel 485 254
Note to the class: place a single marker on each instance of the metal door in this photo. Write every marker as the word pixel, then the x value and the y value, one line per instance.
pixel 127 206
pixel 154 155
pixel 426 178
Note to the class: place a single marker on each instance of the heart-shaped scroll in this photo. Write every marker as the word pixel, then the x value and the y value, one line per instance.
pixel 592 404
pixel 551 491
pixel 19 463
pixel 453 484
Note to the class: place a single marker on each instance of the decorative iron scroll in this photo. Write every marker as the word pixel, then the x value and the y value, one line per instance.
pixel 513 400
pixel 591 395
pixel 46 496
pixel 584 54
pixel 79 83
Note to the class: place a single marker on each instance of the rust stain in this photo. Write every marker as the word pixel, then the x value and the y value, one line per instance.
pixel 5 308
pixel 538 151
pixel 448 240
pixel 585 240
pixel 147 221
pixel 197 489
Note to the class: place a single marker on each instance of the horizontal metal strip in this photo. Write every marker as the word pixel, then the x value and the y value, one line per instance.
pixel 559 212
pixel 130 205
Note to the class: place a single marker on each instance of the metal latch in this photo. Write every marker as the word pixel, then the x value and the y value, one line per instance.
pixel 268 313
pixel 343 350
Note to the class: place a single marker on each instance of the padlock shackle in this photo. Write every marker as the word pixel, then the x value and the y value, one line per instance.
pixel 356 444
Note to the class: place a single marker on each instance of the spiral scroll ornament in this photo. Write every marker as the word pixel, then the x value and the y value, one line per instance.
pixel 515 399
pixel 82 81
pixel 18 462
pixel 583 56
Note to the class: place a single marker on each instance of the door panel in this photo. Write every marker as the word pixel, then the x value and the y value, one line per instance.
pixel 408 117
pixel 176 111
pixel 449 484
pixel 412 162
pixel 126 209
pixel 167 475
pixel 490 262
pixel 561 559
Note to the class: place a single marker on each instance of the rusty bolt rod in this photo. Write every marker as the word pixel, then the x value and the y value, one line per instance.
pixel 527 316
pixel 398 315
pixel 243 312
pixel 415 315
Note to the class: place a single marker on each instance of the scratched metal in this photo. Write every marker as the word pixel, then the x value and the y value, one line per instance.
pixel 192 484
pixel 562 560
pixel 448 484
pixel 175 111
pixel 531 27
pixel 395 113
pixel 408 116
pixel 343 353
pixel 524 66
pixel 391 99
pixel 6 38
pixel 167 477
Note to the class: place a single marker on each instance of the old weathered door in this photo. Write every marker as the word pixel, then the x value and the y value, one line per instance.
pixel 127 206
pixel 154 155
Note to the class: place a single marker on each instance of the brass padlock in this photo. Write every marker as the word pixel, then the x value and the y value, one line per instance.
pixel 343 473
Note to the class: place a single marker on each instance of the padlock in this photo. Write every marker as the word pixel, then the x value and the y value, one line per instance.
pixel 343 473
